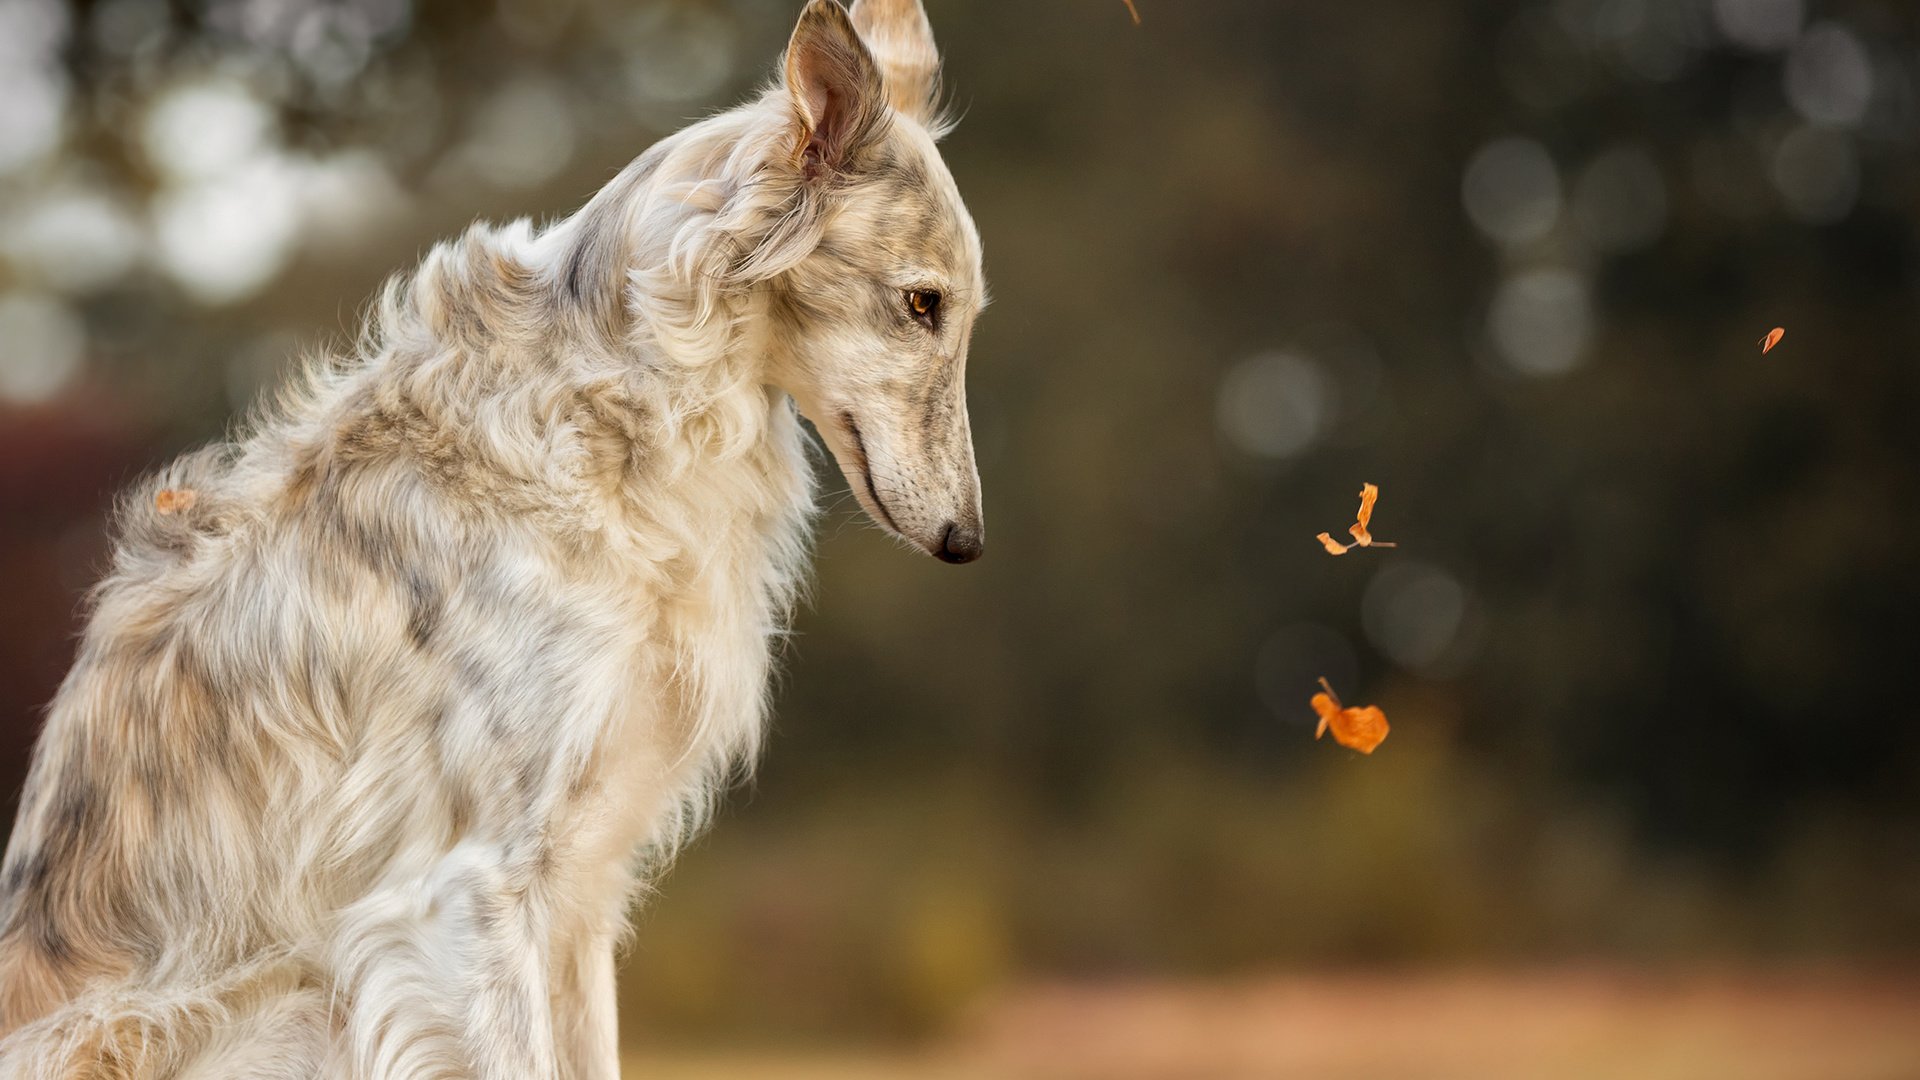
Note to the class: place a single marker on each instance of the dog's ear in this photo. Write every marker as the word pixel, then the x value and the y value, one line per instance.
pixel 902 41
pixel 838 97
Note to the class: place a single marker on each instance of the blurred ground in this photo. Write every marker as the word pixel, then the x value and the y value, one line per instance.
pixel 1568 1025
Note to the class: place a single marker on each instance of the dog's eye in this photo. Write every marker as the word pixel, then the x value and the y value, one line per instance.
pixel 924 303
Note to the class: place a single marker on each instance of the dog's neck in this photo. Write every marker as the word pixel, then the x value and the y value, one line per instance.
pixel 652 260
pixel 592 382
pixel 610 342
pixel 595 380
pixel 676 351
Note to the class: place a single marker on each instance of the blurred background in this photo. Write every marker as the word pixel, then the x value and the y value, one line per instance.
pixel 1651 804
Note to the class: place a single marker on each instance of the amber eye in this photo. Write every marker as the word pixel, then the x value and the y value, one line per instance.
pixel 924 304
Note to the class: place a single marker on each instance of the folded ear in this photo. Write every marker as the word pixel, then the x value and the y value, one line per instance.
pixel 902 41
pixel 836 88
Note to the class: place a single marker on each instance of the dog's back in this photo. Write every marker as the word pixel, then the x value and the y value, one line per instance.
pixel 133 883
pixel 170 863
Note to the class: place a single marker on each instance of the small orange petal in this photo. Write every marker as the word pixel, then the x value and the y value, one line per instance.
pixel 1369 495
pixel 1773 338
pixel 1360 729
pixel 174 500
pixel 1334 547
pixel 1328 707
pixel 1134 11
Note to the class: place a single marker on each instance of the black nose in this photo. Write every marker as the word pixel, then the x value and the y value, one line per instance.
pixel 961 544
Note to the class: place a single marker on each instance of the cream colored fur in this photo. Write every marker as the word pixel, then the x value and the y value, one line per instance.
pixel 372 740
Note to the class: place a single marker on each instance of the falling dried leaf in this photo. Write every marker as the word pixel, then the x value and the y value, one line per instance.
pixel 175 500
pixel 1773 338
pixel 1369 494
pixel 1360 729
pixel 1134 11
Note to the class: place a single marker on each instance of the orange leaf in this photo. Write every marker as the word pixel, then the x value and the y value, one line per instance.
pixel 1334 547
pixel 1328 706
pixel 1369 494
pixel 1360 729
pixel 1773 338
pixel 1134 11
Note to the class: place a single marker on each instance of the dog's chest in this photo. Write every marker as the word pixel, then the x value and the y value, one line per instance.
pixel 702 595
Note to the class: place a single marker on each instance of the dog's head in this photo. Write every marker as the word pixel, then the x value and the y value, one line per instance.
pixel 871 326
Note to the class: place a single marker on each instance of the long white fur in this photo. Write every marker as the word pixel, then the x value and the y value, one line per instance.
pixel 368 750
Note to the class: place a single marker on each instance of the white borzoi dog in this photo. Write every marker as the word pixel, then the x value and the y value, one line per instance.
pixel 385 708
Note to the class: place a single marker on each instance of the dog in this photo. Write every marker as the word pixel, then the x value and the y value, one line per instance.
pixel 387 709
